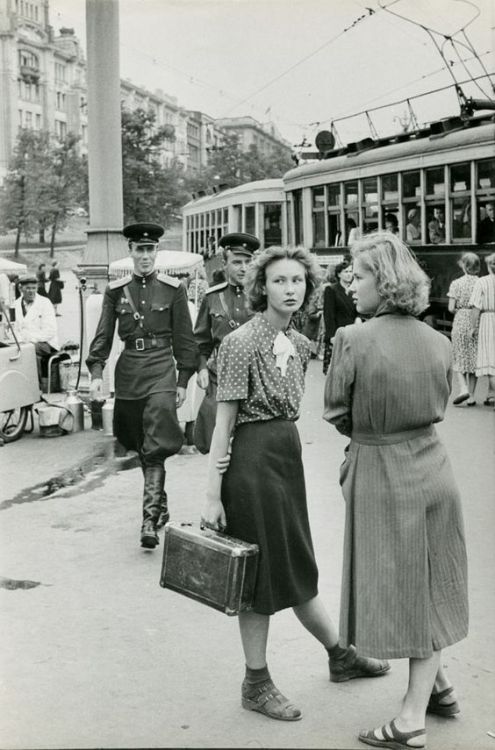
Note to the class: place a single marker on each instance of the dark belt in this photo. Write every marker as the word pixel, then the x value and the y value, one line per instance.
pixel 147 342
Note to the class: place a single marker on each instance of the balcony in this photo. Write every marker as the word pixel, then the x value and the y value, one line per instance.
pixel 29 73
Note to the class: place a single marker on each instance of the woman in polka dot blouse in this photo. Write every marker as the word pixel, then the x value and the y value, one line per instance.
pixel 261 498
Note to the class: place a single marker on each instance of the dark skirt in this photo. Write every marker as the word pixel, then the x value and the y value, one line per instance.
pixel 264 496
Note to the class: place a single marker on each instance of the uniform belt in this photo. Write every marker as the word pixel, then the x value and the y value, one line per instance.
pixel 147 342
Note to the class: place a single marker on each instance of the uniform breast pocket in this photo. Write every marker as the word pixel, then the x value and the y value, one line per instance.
pixel 160 317
pixel 127 324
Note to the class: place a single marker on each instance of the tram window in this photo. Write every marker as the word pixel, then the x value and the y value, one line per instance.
pixel 319 229
pixel 250 220
pixel 298 226
pixel 334 195
pixel 370 190
pixel 237 210
pixel 486 174
pixel 334 230
pixel 411 184
pixel 390 187
pixel 461 218
pixel 318 200
pixel 272 224
pixel 436 225
pixel 435 181
pixel 460 177
pixel 226 216
pixel 352 231
pixel 351 192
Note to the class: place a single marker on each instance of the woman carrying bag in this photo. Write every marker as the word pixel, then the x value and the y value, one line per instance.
pixel 262 497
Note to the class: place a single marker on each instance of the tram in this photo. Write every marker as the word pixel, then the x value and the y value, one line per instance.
pixel 431 186
pixel 255 207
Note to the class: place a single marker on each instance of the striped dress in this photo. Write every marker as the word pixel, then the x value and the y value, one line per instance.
pixel 404 585
pixel 483 298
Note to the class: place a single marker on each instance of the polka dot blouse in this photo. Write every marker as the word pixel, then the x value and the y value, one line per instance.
pixel 247 372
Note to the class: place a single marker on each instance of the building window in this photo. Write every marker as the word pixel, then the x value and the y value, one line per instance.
pixel 60 72
pixel 38 122
pixel 60 128
pixel 28 122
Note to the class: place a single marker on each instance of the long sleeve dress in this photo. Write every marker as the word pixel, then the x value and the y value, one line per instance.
pixel 404 585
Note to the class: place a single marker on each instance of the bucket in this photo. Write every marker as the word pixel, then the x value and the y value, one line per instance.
pixel 54 420
pixel 107 417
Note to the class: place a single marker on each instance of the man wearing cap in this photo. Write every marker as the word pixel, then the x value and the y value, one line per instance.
pixel 153 320
pixel 35 322
pixel 223 309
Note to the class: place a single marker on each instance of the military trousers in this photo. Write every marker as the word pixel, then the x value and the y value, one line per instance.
pixel 149 426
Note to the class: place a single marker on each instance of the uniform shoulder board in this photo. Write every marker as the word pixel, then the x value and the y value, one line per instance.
pixel 217 288
pixel 117 283
pixel 171 280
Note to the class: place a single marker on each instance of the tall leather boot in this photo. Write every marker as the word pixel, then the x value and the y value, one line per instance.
pixel 164 516
pixel 154 477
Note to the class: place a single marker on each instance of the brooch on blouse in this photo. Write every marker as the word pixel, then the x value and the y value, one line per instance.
pixel 283 348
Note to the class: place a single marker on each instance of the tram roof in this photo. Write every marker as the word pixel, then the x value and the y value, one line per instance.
pixel 247 187
pixel 403 147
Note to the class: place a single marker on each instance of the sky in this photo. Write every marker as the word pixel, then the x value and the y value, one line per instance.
pixel 303 63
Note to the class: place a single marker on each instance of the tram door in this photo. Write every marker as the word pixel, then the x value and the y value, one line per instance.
pixel 272 224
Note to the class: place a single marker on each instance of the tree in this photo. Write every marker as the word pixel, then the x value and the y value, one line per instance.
pixel 229 165
pixel 152 191
pixel 46 176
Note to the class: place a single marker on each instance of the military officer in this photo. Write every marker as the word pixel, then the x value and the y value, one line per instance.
pixel 153 320
pixel 223 309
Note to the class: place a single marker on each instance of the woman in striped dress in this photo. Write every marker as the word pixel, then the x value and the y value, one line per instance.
pixel 404 588
pixel 483 311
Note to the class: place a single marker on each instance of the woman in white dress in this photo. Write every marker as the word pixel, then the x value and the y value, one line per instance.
pixel 483 323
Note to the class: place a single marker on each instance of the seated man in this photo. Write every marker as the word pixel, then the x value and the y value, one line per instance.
pixel 35 323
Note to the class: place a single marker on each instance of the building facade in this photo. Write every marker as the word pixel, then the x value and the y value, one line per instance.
pixel 264 136
pixel 43 87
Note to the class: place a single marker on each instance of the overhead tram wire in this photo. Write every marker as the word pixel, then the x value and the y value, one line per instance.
pixel 448 37
pixel 371 12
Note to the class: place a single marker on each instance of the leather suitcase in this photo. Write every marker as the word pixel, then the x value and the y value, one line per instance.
pixel 212 568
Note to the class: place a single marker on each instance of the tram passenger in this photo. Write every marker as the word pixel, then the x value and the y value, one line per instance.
pixel 223 309
pixel 404 587
pixel 436 227
pixel 262 498
pixel 391 223
pixel 486 227
pixel 413 226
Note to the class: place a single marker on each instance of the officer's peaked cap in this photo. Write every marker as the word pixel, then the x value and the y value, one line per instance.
pixel 143 232
pixel 240 242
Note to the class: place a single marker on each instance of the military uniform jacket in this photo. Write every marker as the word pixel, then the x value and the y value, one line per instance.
pixel 223 309
pixel 162 334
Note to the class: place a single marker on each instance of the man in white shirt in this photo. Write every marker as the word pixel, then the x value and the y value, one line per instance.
pixel 35 322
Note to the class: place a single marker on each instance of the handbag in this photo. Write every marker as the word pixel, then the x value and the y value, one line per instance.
pixel 205 420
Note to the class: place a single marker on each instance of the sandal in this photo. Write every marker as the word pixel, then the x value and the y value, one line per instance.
pixel 268 700
pixel 395 739
pixel 490 401
pixel 460 399
pixel 442 709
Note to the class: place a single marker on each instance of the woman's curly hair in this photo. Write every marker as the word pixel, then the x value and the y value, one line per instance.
pixel 399 278
pixel 255 281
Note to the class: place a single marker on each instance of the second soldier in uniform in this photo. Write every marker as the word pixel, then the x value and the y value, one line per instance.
pixel 223 309
pixel 153 321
